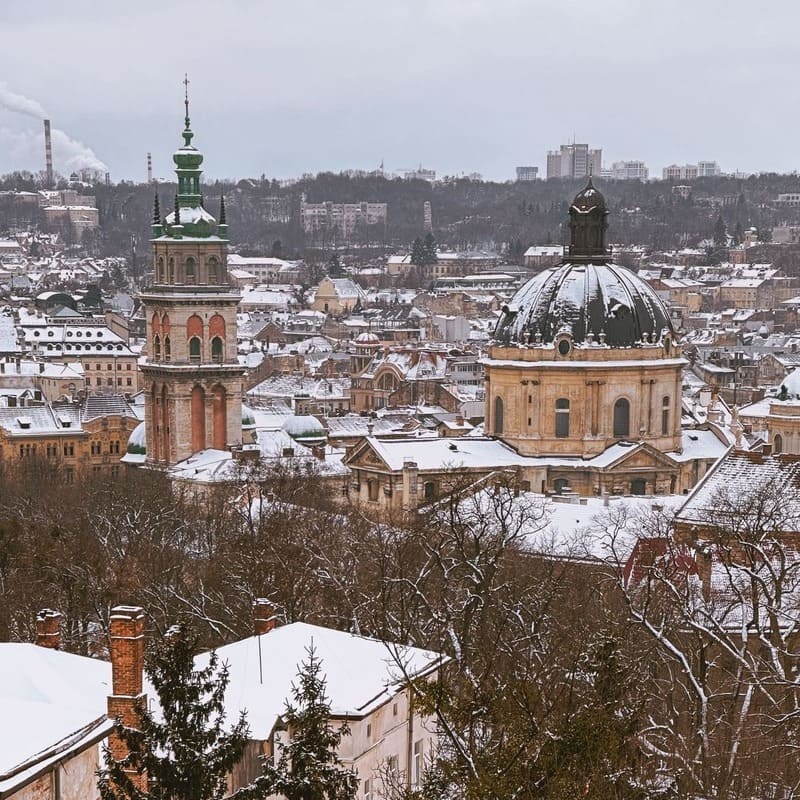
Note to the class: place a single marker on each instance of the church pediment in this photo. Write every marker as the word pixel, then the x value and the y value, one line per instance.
pixel 363 455
pixel 641 456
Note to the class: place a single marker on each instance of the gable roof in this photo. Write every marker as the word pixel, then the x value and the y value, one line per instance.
pixel 361 673
pixel 741 473
pixel 57 702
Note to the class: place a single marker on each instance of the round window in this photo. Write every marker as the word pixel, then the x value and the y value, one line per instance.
pixel 563 347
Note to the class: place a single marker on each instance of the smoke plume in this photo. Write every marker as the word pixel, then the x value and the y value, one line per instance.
pixel 12 101
pixel 69 153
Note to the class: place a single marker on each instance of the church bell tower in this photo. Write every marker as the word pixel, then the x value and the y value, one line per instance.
pixel 192 378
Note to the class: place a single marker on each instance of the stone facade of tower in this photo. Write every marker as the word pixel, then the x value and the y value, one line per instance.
pixel 193 381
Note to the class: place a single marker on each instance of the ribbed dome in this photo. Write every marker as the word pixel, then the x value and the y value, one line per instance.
pixel 581 299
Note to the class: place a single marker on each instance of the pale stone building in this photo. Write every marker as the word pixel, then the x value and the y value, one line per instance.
pixel 583 393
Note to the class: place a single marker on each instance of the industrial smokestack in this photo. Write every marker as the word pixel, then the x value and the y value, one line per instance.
pixel 149 168
pixel 48 153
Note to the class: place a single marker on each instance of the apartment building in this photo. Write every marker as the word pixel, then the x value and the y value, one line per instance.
pixel 574 161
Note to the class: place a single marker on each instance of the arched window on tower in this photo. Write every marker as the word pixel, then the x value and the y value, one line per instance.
pixel 194 336
pixel 167 349
pixel 216 350
pixel 777 446
pixel 220 416
pixel 665 415
pixel 198 419
pixel 160 270
pixel 213 270
pixel 622 418
pixel 157 347
pixel 498 415
pixel 562 418
pixel 190 268
pixel 171 271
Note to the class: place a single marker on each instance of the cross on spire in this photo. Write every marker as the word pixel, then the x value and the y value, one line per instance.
pixel 186 95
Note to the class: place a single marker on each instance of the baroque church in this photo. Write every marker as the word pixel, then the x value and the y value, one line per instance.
pixel 583 392
pixel 192 378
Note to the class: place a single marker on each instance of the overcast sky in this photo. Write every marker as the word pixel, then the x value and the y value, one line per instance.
pixel 283 87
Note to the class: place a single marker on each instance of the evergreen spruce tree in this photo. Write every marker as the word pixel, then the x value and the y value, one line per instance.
pixel 720 233
pixel 335 269
pixel 738 233
pixel 418 253
pixel 186 751
pixel 429 250
pixel 308 767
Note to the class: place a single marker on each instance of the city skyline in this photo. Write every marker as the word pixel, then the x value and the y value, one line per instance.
pixel 283 91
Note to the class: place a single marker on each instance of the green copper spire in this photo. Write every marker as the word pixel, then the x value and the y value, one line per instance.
pixel 189 219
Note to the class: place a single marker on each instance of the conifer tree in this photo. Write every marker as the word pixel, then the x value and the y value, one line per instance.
pixel 335 269
pixel 429 250
pixel 720 232
pixel 308 767
pixel 185 750
pixel 418 253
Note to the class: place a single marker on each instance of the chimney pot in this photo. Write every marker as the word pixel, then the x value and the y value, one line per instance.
pixel 48 629
pixel 263 616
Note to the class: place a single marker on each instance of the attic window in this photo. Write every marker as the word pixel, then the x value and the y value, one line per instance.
pixel 50 333
pixel 24 422
pixel 65 421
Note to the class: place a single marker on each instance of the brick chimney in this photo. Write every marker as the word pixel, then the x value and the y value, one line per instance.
pixel 127 666
pixel 263 616
pixel 48 629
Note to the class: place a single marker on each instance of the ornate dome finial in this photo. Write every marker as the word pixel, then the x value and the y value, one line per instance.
pixel 588 224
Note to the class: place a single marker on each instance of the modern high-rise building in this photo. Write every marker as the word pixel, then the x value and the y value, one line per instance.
pixel 574 161
pixel 192 377
pixel 527 173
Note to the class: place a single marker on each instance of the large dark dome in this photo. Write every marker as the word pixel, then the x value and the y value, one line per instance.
pixel 583 298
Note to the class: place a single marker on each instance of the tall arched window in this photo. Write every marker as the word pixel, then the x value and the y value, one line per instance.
pixel 777 446
pixel 160 270
pixel 213 270
pixel 622 418
pixel 562 418
pixel 220 417
pixel 216 350
pixel 216 326
pixel 665 415
pixel 194 327
pixel 190 270
pixel 167 349
pixel 498 414
pixel 171 271
pixel 155 324
pixel 194 349
pixel 157 347
pixel 198 419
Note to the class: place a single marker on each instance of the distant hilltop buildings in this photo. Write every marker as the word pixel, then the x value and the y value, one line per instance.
pixel 342 216
pixel 574 161
pixel 688 172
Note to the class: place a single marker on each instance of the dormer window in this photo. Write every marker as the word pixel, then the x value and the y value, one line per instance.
pixel 24 422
